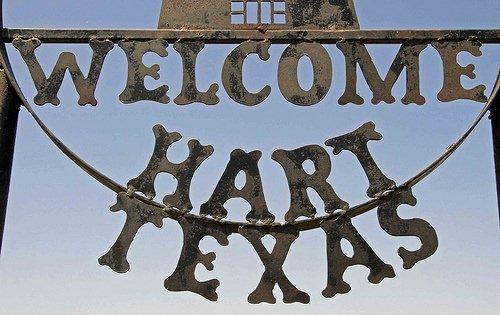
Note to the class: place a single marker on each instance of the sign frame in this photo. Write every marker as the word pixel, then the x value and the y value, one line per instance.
pixel 12 98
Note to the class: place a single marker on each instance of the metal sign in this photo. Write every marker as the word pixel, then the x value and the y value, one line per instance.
pixel 255 25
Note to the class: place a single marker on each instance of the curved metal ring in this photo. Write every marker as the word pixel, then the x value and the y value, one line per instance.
pixel 233 226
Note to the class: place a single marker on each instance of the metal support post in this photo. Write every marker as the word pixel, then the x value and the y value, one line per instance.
pixel 9 112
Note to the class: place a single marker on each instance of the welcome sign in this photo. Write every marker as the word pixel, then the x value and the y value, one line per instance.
pixel 255 25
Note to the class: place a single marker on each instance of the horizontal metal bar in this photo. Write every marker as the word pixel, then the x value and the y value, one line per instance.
pixel 238 36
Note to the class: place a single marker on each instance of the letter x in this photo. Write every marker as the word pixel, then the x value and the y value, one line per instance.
pixel 273 263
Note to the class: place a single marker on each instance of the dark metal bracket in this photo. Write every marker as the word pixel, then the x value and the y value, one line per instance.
pixel 239 36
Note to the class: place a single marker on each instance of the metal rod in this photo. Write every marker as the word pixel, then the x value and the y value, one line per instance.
pixel 238 36
pixel 495 127
pixel 9 112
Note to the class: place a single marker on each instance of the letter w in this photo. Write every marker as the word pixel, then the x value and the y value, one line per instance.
pixel 48 88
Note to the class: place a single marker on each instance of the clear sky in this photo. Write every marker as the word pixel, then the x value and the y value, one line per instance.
pixel 58 222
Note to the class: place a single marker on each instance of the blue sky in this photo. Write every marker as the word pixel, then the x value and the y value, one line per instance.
pixel 58 222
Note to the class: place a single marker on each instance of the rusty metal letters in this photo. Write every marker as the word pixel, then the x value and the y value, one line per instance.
pixel 407 57
pixel 138 214
pixel 49 87
pixel 252 191
pixel 273 263
pixel 232 73
pixel 452 87
pixel 357 143
pixel 337 226
pixel 135 90
pixel 299 180
pixel 396 226
pixel 183 172
pixel 183 278
pixel 288 77
pixel 190 94
pixel 355 53
pixel 338 262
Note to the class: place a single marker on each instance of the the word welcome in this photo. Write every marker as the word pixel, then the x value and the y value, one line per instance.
pixel 356 54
